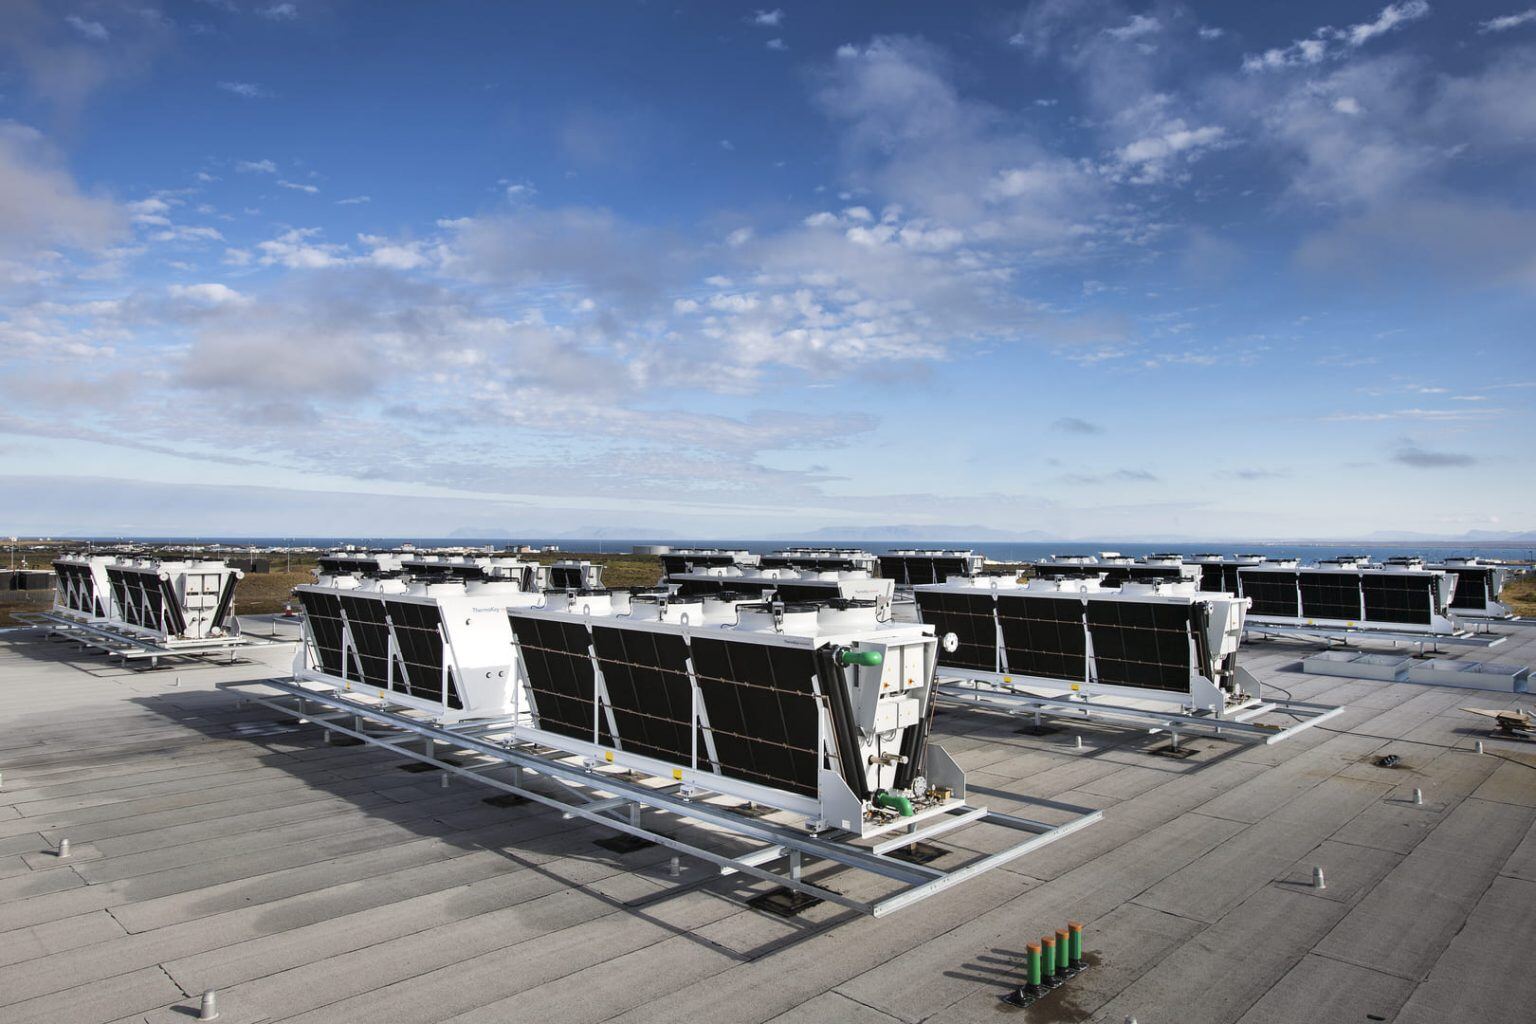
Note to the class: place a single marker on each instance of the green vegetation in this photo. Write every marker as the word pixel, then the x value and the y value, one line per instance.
pixel 1520 594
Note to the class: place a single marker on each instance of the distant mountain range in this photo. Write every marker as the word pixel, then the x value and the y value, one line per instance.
pixel 924 533
pixel 957 533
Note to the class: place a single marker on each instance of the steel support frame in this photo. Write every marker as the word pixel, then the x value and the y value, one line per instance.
pixel 1345 636
pixel 1235 723
pixel 613 795
pixel 128 646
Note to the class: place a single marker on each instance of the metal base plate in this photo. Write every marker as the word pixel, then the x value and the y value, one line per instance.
pixel 623 843
pixel 918 853
pixel 784 902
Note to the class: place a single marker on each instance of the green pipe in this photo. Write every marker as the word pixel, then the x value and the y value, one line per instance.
pixel 895 801
pixel 1034 963
pixel 869 659
pixel 1077 942
pixel 1049 945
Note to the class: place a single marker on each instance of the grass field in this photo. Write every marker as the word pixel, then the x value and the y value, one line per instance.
pixel 1520 594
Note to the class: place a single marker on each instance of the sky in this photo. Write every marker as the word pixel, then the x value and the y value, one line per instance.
pixel 1080 269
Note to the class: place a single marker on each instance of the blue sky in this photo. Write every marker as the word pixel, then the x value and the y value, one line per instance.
pixel 1092 269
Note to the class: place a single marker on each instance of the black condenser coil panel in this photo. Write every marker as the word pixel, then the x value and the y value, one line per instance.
pixel 559 666
pixel 1330 595
pixel 646 676
pixel 419 635
pixel 1272 592
pixel 1399 597
pixel 1472 587
pixel 370 638
pixel 1141 644
pixel 1043 636
pixel 322 611
pixel 763 712
pixel 969 618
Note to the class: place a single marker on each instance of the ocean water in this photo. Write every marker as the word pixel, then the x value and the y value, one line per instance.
pixel 1003 551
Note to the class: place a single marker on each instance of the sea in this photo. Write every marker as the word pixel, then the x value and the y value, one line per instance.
pixel 997 550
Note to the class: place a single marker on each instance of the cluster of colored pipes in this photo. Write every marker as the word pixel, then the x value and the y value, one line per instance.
pixel 1052 960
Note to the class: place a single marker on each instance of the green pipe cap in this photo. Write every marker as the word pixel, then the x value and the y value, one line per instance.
pixel 869 659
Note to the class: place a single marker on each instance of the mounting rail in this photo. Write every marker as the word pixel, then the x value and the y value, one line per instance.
pixel 1236 723
pixel 604 797
pixel 1343 636
pixel 127 646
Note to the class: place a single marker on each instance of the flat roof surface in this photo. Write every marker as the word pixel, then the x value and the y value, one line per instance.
pixel 217 848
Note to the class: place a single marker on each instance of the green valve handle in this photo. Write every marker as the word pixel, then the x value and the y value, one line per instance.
pixel 869 659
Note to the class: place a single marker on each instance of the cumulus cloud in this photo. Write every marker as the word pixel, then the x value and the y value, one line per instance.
pixel 1075 425
pixel 256 167
pixel 298 186
pixel 768 19
pixel 953 161
pixel 300 249
pixel 207 295
pixel 279 12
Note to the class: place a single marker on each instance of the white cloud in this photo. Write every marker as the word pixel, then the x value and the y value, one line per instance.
pixel 279 12
pixel 1432 415
pixel 256 167
pixel 354 200
pixel 1140 25
pixel 1508 21
pixel 1390 17
pixel 245 90
pixel 1150 159
pixel 1347 105
pixel 41 206
pixel 298 187
pixel 385 252
pixel 1209 32
pixel 295 250
pixel 207 295
pixel 776 44
pixel 150 211
pixel 1331 43
pixel 188 233
pixel 93 30
pixel 768 19
pixel 739 237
